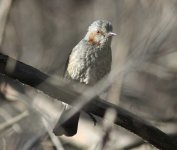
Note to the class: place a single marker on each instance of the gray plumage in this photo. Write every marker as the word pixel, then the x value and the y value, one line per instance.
pixel 89 61
pixel 89 65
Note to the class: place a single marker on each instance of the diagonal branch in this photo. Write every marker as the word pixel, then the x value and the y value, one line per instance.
pixel 54 88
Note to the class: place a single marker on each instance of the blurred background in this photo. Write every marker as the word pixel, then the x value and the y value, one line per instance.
pixel 42 33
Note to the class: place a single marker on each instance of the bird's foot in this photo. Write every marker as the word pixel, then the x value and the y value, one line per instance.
pixel 93 118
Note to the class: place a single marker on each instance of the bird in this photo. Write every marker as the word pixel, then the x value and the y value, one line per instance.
pixel 89 61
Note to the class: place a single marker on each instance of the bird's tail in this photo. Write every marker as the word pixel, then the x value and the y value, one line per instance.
pixel 65 126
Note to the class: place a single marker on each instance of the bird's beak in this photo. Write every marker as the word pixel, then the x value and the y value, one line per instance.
pixel 110 34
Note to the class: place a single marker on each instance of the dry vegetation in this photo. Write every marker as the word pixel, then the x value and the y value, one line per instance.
pixel 42 33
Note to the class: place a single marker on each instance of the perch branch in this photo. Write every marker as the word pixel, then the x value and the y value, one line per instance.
pixel 54 88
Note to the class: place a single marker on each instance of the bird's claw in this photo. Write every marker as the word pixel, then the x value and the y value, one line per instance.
pixel 93 118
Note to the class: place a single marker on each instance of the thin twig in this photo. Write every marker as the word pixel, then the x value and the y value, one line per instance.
pixel 53 138
pixel 4 10
pixel 108 122
pixel 13 120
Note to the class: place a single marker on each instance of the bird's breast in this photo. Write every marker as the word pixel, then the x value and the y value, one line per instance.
pixel 89 65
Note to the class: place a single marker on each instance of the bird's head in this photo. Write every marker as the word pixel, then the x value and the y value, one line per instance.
pixel 100 33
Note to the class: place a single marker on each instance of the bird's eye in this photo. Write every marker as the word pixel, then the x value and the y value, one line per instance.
pixel 98 31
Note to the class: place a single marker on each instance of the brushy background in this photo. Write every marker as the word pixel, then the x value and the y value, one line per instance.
pixel 42 33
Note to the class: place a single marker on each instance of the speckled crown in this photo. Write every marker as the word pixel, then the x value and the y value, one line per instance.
pixel 101 24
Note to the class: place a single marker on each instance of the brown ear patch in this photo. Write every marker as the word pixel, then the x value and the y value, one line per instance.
pixel 92 37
